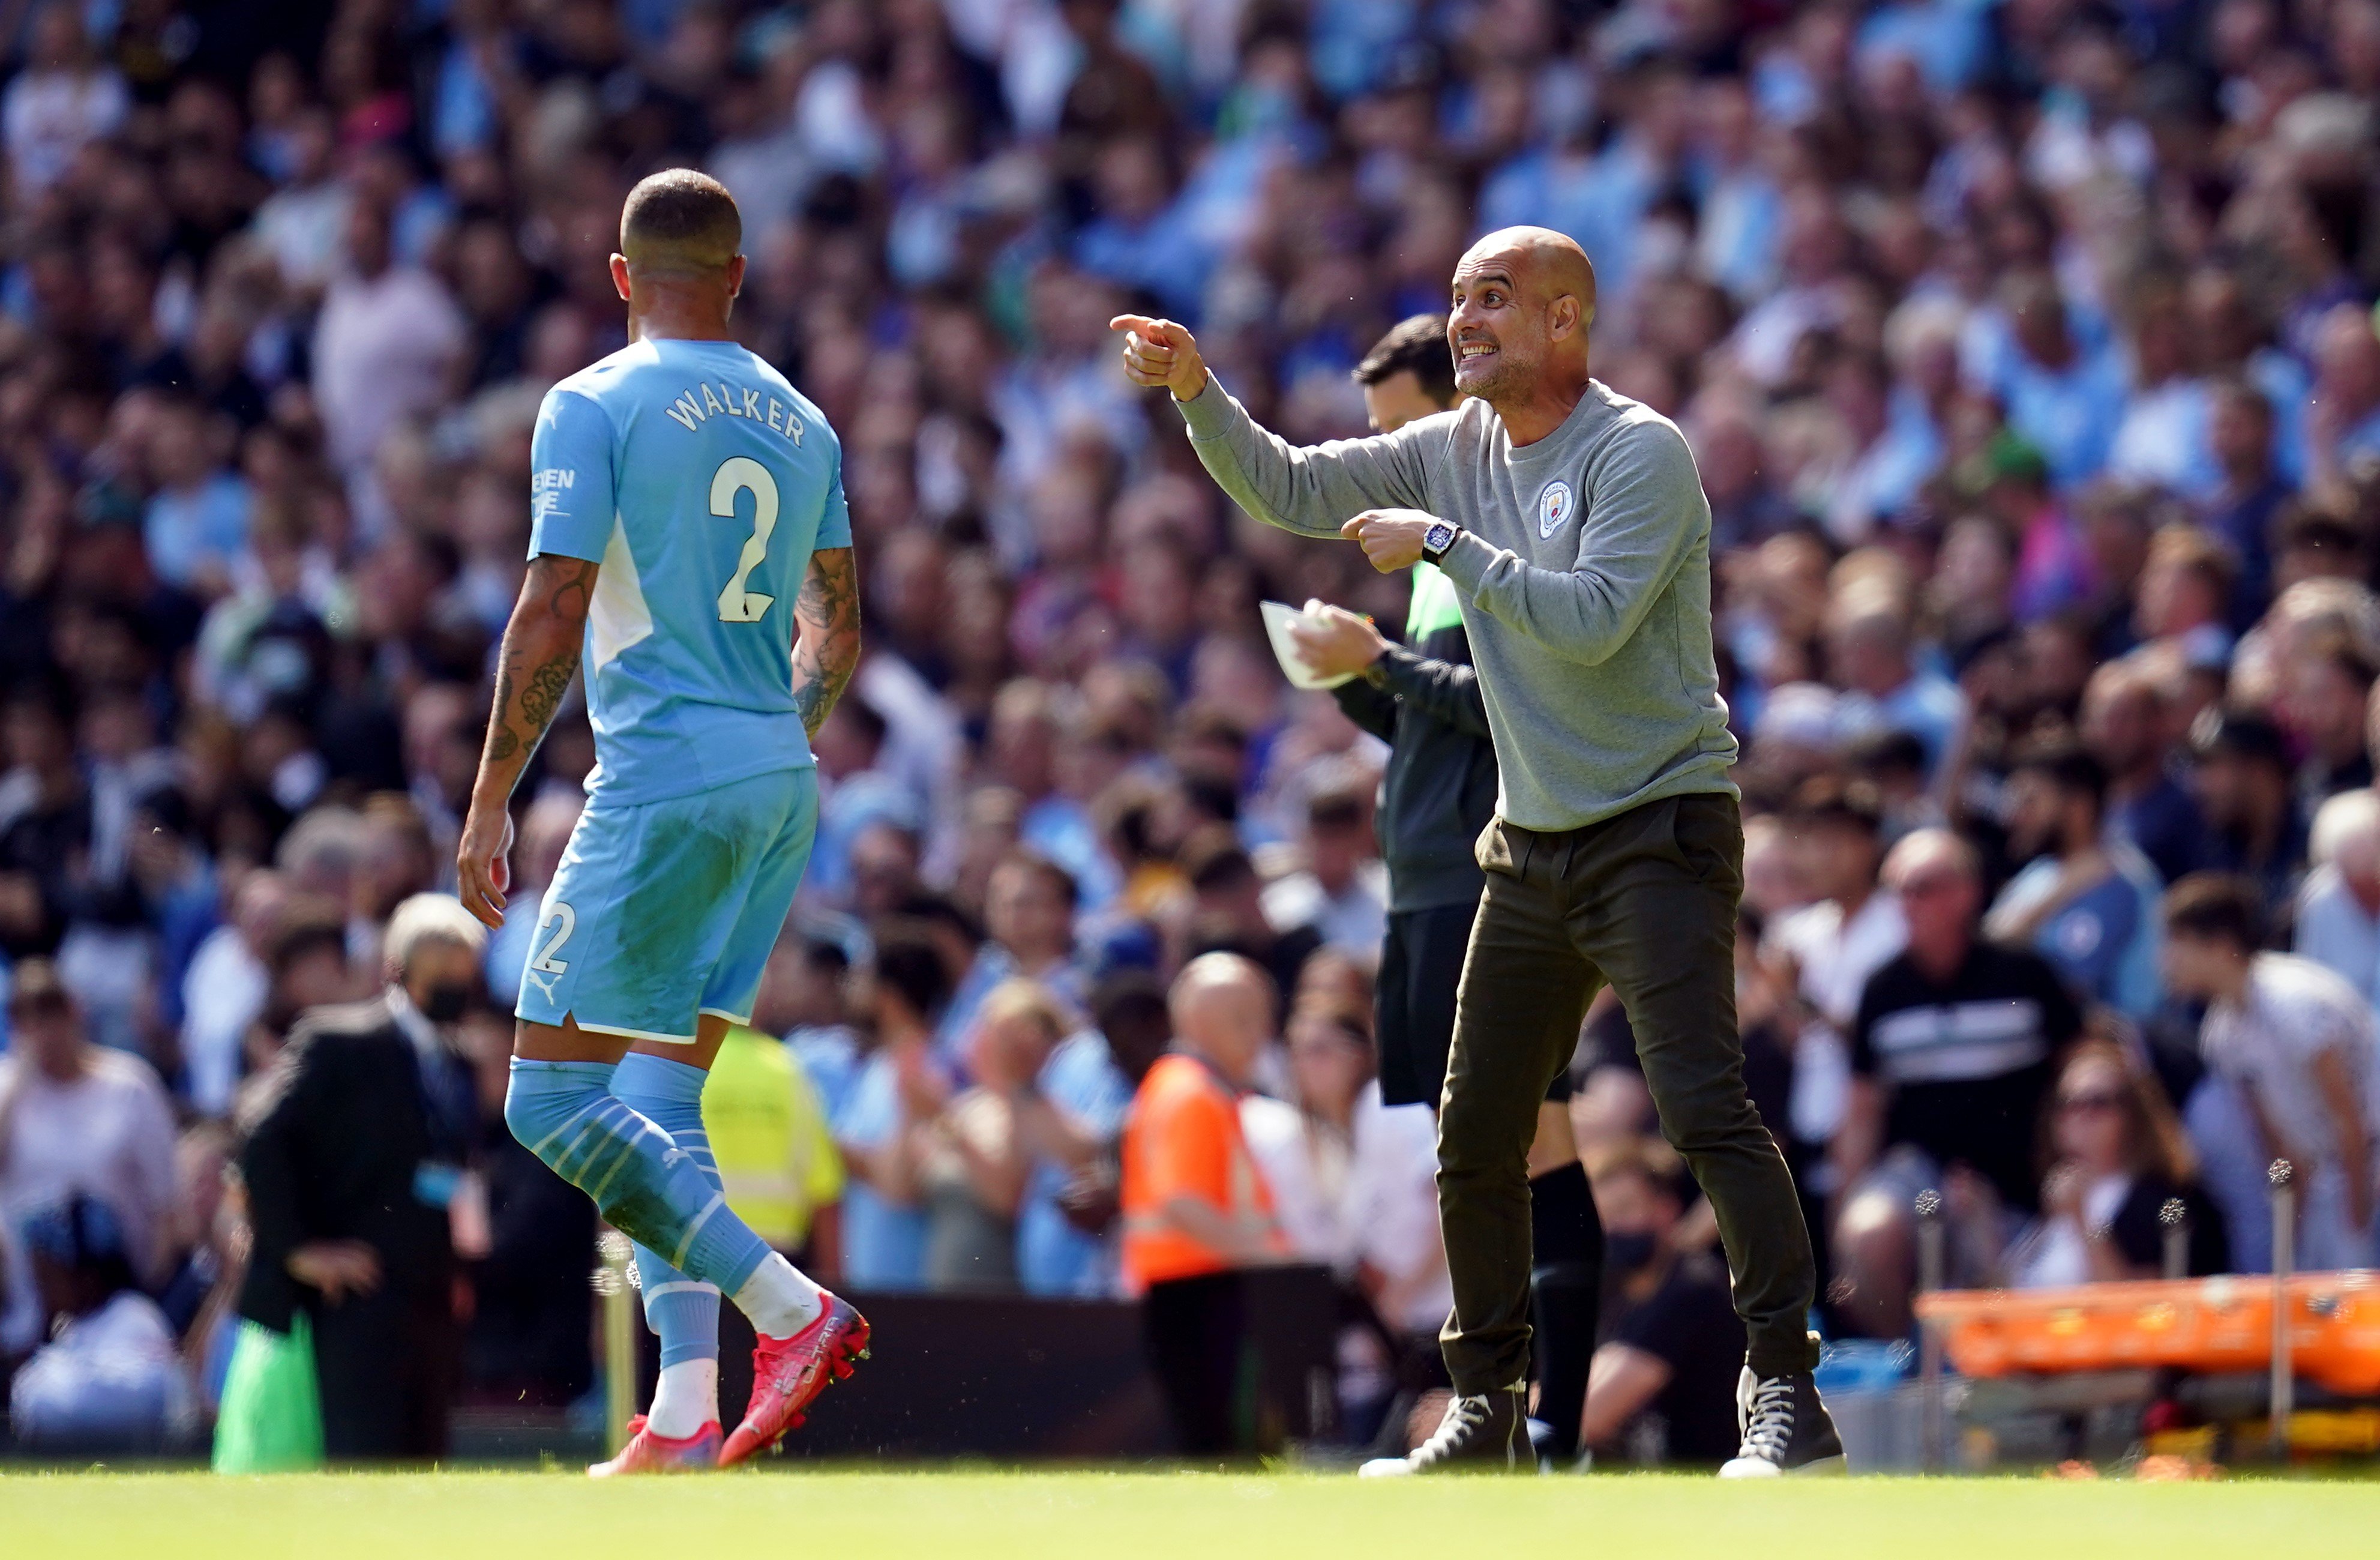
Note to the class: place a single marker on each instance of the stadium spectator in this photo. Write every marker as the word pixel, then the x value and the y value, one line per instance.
pixel 2126 725
pixel 1951 1059
pixel 1030 908
pixel 1354 1182
pixel 897 1090
pixel 2322 704
pixel 2241 774
pixel 813 975
pixel 2337 920
pixel 2298 1045
pixel 351 1159
pixel 77 1118
pixel 978 1156
pixel 2087 905
pixel 2117 1156
pixel 1658 1394
pixel 1829 948
pixel 109 1379
pixel 1068 1119
pixel 1342 889
pixel 1228 913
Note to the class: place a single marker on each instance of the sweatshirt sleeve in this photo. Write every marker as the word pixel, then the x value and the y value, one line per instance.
pixel 1646 512
pixel 1314 490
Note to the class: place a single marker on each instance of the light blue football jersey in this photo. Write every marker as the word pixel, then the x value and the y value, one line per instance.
pixel 702 482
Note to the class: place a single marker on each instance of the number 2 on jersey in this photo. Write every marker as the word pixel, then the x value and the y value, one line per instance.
pixel 738 474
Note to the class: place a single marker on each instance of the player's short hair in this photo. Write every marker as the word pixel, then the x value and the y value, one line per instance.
pixel 680 222
pixel 1416 346
pixel 429 917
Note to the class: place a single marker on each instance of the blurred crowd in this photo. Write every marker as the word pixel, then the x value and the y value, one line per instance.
pixel 2025 345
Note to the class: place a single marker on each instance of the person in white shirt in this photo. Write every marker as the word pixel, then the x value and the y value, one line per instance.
pixel 1354 1186
pixel 109 1379
pixel 61 102
pixel 225 988
pixel 77 1118
pixel 1342 890
pixel 2338 907
pixel 384 343
pixel 1832 947
pixel 2298 1047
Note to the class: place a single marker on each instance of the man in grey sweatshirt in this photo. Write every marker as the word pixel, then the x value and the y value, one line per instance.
pixel 1573 528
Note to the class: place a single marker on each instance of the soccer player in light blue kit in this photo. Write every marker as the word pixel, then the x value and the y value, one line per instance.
pixel 691 542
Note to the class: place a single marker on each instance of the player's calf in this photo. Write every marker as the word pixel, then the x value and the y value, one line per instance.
pixel 645 1187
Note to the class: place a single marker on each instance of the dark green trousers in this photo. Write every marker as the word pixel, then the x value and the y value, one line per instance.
pixel 1647 901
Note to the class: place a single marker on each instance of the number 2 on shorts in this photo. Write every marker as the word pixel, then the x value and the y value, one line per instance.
pixel 737 474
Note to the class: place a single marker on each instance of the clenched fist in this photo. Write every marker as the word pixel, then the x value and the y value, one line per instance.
pixel 1160 352
pixel 1391 539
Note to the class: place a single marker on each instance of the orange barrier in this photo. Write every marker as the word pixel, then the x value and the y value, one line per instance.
pixel 2194 1323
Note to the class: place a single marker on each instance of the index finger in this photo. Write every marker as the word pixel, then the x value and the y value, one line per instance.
pixel 1138 323
pixel 1354 528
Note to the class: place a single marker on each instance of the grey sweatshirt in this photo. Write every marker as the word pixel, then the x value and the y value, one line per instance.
pixel 1584 573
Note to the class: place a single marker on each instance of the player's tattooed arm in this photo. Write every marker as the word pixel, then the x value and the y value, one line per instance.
pixel 826 641
pixel 539 657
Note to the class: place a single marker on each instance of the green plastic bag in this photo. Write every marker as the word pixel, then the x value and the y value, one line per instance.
pixel 272 1417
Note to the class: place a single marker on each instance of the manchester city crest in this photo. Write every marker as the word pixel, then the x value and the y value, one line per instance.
pixel 1554 505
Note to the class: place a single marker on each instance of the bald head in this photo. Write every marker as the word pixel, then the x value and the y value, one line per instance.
pixel 1524 302
pixel 1939 882
pixel 1221 1006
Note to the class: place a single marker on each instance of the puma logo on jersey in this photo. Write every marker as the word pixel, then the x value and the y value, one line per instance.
pixel 705 401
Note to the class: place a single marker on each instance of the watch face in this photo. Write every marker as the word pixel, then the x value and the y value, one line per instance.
pixel 1437 538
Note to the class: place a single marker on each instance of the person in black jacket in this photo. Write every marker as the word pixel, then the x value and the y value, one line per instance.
pixel 351 1154
pixel 1438 792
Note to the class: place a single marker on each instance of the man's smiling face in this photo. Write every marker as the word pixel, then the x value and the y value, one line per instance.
pixel 1497 336
pixel 1523 301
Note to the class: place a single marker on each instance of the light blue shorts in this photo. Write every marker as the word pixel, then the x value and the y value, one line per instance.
pixel 667 910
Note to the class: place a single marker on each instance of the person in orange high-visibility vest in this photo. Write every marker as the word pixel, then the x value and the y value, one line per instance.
pixel 1195 1209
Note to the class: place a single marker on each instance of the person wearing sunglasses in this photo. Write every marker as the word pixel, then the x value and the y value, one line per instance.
pixel 2116 1154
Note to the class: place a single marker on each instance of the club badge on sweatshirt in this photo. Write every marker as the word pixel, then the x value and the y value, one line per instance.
pixel 1554 505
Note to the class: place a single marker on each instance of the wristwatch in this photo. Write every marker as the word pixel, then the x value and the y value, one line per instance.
pixel 1438 539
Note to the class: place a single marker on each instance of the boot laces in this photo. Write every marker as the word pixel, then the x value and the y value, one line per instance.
pixel 1465 1417
pixel 1769 1425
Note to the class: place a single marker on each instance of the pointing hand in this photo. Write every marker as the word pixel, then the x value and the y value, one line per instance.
pixel 1160 352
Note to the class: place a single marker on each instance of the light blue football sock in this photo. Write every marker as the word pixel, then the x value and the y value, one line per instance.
pixel 682 1312
pixel 648 1187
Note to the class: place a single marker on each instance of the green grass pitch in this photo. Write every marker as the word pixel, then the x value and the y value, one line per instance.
pixel 938 1515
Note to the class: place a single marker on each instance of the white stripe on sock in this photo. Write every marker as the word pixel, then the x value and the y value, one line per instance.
pixel 595 1193
pixel 539 1147
pixel 718 1201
